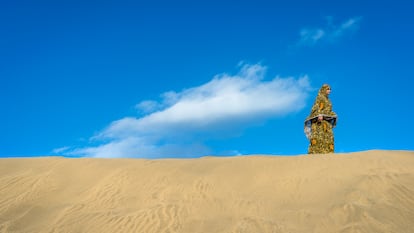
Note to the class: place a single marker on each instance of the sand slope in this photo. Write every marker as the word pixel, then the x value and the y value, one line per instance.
pixel 363 192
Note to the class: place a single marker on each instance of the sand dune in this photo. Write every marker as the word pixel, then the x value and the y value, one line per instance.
pixel 365 192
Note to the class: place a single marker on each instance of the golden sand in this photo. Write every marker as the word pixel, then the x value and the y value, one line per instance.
pixel 371 191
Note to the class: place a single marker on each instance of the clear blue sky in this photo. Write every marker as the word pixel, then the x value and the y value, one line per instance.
pixel 187 78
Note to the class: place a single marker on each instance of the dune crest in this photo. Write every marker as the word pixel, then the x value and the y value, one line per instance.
pixel 371 191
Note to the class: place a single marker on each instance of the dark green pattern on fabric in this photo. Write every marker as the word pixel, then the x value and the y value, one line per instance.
pixel 322 137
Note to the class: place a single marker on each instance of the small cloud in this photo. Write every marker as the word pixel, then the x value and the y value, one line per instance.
pixel 351 23
pixel 331 32
pixel 346 27
pixel 148 106
pixel 180 122
pixel 311 36
pixel 61 150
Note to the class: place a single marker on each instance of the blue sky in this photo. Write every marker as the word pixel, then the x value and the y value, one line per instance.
pixel 160 79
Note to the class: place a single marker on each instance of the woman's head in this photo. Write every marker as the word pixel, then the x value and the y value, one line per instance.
pixel 325 90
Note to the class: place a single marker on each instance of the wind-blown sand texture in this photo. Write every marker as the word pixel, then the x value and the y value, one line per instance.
pixel 370 191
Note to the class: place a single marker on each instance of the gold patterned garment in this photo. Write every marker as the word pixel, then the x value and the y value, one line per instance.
pixel 320 133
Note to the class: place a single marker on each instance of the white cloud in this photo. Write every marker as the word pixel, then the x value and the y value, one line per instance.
pixel 148 106
pixel 60 150
pixel 311 36
pixel 331 32
pixel 142 147
pixel 226 104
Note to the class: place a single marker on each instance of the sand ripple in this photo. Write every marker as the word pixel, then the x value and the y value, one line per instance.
pixel 363 192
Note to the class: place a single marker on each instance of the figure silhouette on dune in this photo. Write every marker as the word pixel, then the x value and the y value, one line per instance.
pixel 320 123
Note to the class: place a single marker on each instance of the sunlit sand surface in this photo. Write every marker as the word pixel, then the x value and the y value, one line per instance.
pixel 364 192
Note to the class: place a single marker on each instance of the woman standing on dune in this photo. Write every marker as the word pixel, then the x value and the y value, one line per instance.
pixel 319 124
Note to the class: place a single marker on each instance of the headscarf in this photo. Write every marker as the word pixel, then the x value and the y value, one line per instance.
pixel 322 105
pixel 323 89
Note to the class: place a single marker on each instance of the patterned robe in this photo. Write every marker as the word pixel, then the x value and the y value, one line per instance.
pixel 320 133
